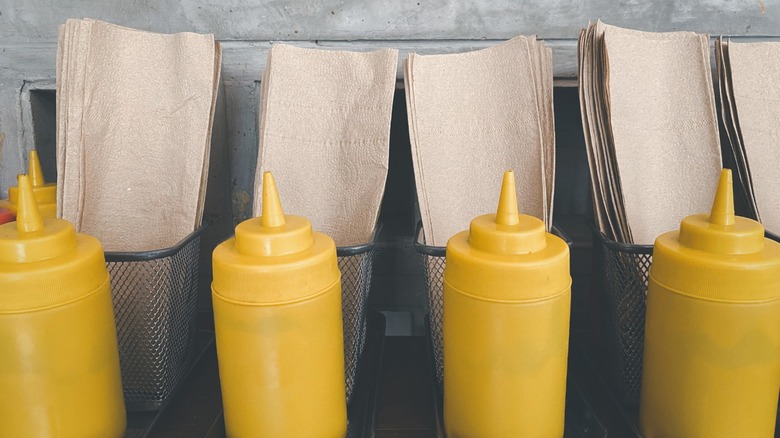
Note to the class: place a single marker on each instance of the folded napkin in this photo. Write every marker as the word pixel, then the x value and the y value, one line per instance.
pixel 473 116
pixel 733 156
pixel 749 91
pixel 325 135
pixel 135 120
pixel 607 201
pixel 649 116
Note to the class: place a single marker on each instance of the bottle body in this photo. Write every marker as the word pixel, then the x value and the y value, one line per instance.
pixel 59 372
pixel 711 367
pixel 278 326
pixel 505 365
pixel 281 366
pixel 507 296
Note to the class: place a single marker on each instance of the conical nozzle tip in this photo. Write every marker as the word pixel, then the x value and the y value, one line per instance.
pixel 723 206
pixel 28 217
pixel 35 171
pixel 507 213
pixel 272 214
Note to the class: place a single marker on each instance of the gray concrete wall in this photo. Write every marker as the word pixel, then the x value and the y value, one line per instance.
pixel 37 20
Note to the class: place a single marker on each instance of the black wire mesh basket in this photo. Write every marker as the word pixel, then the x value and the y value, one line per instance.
pixel 356 265
pixel 623 274
pixel 155 295
pixel 434 261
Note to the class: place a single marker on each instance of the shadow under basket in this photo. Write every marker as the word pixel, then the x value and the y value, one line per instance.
pixel 356 264
pixel 433 261
pixel 155 295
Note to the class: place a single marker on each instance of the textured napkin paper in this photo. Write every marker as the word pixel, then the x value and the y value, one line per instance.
pixel 649 117
pixel 749 91
pixel 134 113
pixel 325 136
pixel 473 116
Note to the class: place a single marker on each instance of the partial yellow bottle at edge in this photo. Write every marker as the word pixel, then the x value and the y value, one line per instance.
pixel 45 193
pixel 712 334
pixel 507 296
pixel 59 362
pixel 278 323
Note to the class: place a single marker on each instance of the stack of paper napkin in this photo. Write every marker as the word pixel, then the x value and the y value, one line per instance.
pixel 748 74
pixel 473 116
pixel 134 119
pixel 325 135
pixel 648 113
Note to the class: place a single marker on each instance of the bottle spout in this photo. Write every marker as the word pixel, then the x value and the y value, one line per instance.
pixel 507 213
pixel 272 214
pixel 35 171
pixel 723 205
pixel 28 217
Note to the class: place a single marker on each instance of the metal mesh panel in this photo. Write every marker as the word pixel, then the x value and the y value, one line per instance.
pixel 434 282
pixel 355 286
pixel 155 307
pixel 624 272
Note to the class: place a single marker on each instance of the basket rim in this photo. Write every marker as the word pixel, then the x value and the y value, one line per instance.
pixel 614 245
pixel 647 249
pixel 346 251
pixel 422 248
pixel 145 256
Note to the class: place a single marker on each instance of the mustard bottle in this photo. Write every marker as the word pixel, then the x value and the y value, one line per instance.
pixel 712 333
pixel 45 193
pixel 59 362
pixel 278 324
pixel 507 296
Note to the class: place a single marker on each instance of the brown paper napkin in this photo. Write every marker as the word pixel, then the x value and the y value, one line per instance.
pixel 754 72
pixel 649 117
pixel 325 133
pixel 544 81
pixel 137 115
pixel 472 116
pixel 71 79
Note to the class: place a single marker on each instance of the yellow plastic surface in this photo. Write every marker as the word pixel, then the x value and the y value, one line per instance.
pixel 59 366
pixel 507 296
pixel 712 333
pixel 45 194
pixel 278 323
pixel 281 367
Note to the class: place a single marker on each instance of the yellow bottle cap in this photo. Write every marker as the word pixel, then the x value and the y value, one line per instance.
pixel 43 261
pixel 507 256
pixel 718 256
pixel 45 194
pixel 275 258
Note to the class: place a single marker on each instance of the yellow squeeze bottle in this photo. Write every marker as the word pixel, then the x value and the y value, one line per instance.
pixel 278 323
pixel 59 362
pixel 712 333
pixel 45 193
pixel 507 295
